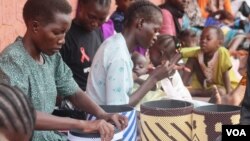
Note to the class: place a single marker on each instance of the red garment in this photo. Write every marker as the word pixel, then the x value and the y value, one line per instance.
pixel 168 26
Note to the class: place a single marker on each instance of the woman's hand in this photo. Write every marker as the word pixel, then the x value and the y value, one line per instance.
pixel 105 129
pixel 162 71
pixel 120 121
pixel 168 68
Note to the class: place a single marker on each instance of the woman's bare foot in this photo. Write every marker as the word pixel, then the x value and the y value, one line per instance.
pixel 215 97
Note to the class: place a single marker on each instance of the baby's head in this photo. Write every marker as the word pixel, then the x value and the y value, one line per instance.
pixel 211 39
pixel 188 38
pixel 163 50
pixel 140 63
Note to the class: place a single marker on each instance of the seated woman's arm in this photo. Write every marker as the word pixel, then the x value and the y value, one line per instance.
pixel 46 121
pixel 141 81
pixel 158 74
pixel 50 122
pixel 82 101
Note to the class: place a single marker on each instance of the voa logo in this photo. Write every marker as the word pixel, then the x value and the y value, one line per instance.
pixel 236 132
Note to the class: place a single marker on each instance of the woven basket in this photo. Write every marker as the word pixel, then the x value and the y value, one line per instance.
pixel 208 120
pixel 130 132
pixel 76 135
pixel 166 120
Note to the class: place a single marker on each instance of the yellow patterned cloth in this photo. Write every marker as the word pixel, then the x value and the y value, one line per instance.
pixel 157 94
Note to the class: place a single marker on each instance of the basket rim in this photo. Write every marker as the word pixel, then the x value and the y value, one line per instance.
pixel 198 110
pixel 168 111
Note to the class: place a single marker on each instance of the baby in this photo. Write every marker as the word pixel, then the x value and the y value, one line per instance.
pixel 141 70
pixel 140 64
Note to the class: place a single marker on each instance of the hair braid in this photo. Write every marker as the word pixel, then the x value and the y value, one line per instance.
pixel 16 111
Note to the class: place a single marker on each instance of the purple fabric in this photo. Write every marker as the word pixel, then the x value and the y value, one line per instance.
pixel 141 50
pixel 108 29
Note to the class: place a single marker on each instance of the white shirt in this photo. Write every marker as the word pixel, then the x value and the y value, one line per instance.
pixel 110 80
pixel 174 88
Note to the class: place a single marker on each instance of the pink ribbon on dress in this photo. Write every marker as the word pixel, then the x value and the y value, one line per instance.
pixel 84 55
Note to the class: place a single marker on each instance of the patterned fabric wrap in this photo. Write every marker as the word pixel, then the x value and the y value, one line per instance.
pixel 168 120
pixel 243 80
pixel 130 132
pixel 208 120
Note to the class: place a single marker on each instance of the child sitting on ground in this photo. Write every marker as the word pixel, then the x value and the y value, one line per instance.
pixel 173 87
pixel 211 64
pixel 237 95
